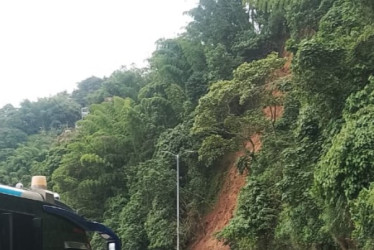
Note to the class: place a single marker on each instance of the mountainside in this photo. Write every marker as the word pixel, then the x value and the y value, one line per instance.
pixel 294 78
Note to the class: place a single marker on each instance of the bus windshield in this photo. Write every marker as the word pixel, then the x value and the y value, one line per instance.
pixel 60 233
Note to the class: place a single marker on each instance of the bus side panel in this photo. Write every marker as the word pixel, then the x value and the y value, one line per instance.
pixel 6 231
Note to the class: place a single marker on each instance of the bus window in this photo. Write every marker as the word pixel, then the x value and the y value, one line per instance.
pixel 60 233
pixel 18 232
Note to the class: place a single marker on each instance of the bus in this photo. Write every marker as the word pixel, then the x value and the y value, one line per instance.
pixel 35 219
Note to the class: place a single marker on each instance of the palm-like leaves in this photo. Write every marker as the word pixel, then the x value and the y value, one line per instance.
pixel 268 5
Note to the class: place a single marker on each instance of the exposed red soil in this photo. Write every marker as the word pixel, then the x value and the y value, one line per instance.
pixel 224 209
pixel 287 66
pixel 273 112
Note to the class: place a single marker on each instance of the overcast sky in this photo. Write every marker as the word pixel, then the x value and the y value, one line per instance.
pixel 47 46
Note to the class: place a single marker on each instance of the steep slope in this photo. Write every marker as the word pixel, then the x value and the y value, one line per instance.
pixel 225 206
pixel 224 209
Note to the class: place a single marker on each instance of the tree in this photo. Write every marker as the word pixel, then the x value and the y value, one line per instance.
pixel 218 22
pixel 85 88
pixel 232 110
pixel 92 169
pixel 23 161
pixel 169 62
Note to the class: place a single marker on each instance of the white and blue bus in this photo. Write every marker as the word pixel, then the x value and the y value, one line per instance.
pixel 35 219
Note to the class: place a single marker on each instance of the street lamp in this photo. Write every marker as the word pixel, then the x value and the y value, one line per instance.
pixel 177 156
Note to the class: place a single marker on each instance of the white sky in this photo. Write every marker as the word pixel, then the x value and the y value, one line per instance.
pixel 47 46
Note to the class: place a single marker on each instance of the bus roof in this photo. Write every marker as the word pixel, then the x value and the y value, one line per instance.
pixel 21 193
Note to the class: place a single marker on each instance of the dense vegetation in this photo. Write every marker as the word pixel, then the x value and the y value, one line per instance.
pixel 203 96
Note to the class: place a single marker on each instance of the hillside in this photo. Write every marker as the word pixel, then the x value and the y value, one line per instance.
pixel 225 206
pixel 234 180
pixel 294 78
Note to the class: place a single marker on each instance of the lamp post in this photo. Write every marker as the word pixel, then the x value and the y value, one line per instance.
pixel 177 156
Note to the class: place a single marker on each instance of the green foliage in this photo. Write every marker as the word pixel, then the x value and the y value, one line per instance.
pixel 93 162
pixel 195 188
pixel 170 62
pixel 255 217
pixel 50 113
pixel 268 5
pixel 180 62
pixel 160 222
pixel 123 83
pixel 346 167
pixel 147 218
pixel 229 36
pixel 359 100
pixel 326 71
pixel 304 17
pixel 290 113
pixel 163 103
pixel 132 232
pixel 362 210
pixel 218 22
pixel 11 137
pixel 222 116
pixel 299 221
pixel 215 57
pixel 320 75
pixel 24 161
pixel 159 229
pixel 213 148
pixel 51 162
pixel 85 88
pixel 53 113
pixel 323 63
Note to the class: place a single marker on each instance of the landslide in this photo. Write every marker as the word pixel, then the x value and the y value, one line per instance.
pixel 233 181
pixel 225 206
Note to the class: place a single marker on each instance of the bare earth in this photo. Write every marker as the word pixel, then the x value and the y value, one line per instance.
pixel 224 209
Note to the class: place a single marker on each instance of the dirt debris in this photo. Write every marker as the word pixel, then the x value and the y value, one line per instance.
pixel 224 209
